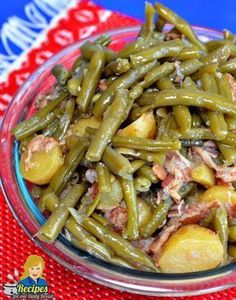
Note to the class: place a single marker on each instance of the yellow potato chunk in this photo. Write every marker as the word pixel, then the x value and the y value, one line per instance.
pixel 41 160
pixel 203 175
pixel 144 127
pixel 79 127
pixel 192 248
pixel 219 193
pixel 144 212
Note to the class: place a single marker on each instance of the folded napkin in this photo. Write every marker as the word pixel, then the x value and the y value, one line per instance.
pixel 78 20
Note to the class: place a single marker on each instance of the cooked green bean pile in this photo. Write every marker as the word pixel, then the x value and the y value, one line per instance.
pixel 132 153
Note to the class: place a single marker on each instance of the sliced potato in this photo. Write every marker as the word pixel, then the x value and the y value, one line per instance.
pixel 112 198
pixel 79 127
pixel 144 127
pixel 192 248
pixel 203 175
pixel 40 164
pixel 144 212
pixel 219 193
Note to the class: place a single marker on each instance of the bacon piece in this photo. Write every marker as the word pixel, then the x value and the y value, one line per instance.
pixel 118 217
pixel 159 242
pixel 93 190
pixel 144 244
pixel 159 171
pixel 102 85
pixel 179 172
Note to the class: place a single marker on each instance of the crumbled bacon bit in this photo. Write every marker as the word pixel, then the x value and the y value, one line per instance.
pixel 144 244
pixel 159 171
pixel 179 172
pixel 102 85
pixel 159 242
pixel 93 190
pixel 118 217
pixel 172 35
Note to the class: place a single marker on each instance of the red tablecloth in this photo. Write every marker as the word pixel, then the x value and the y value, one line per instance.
pixel 81 20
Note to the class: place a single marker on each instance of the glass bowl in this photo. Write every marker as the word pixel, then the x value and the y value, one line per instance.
pixel 30 218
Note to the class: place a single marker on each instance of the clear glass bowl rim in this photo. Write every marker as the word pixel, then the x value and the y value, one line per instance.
pixel 109 266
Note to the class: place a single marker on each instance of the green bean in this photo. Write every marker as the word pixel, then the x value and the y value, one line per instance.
pixel 137 143
pixel 51 201
pixel 161 50
pixel 225 90
pixel 183 118
pixel 144 155
pixel 53 225
pixel 160 24
pixel 217 122
pixel 182 25
pixel 40 120
pixel 190 98
pixel 228 152
pixel 229 66
pixel 61 73
pixel 88 205
pixel 131 232
pixel 228 35
pixel 89 49
pixel 221 227
pixel 115 162
pixel 142 184
pixel 123 82
pixel 37 191
pixel 86 241
pixel 115 115
pixel 188 67
pixel 65 172
pixel 65 120
pixel 102 220
pixel 136 91
pixel 210 69
pixel 119 66
pixel 224 87
pixel 104 181
pixel 147 172
pixel 230 139
pixel 165 84
pixel 74 83
pixel 188 83
pixel 119 245
pixel 196 134
pixel 91 80
pixel 232 233
pixel 51 129
pixel 196 120
pixel 219 55
pixel 158 218
pixel 145 98
pixel 103 40
pixel 212 45
pixel 189 53
pixel 137 164
pixel 147 28
pixel 121 262
pixel 186 189
pixel 209 218
pixel 156 73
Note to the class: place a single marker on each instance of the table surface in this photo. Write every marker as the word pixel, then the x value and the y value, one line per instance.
pixel 209 13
